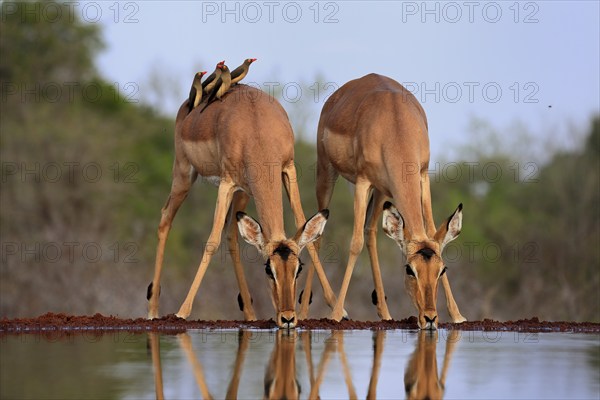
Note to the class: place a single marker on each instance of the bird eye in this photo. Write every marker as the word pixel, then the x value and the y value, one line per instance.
pixel 409 270
pixel 443 271
pixel 268 270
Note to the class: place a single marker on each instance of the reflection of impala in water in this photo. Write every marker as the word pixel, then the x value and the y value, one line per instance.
pixel 281 378
pixel 280 374
pixel 421 376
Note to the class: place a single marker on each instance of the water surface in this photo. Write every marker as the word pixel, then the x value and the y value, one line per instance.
pixel 340 364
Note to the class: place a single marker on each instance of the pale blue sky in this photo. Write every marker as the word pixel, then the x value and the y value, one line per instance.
pixel 544 51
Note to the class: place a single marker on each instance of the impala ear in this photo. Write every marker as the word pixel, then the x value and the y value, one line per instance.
pixel 393 225
pixel 251 231
pixel 450 229
pixel 312 229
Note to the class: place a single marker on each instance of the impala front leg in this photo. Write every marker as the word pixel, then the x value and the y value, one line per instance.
pixel 182 181
pixel 290 182
pixel 361 196
pixel 224 196
pixel 450 303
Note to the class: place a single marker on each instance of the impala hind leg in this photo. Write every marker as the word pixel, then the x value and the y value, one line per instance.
pixel 240 200
pixel 374 212
pixel 361 197
pixel 182 181
pixel 290 181
pixel 224 197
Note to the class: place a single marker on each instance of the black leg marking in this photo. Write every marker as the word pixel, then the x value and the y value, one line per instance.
pixel 374 297
pixel 309 300
pixel 149 291
pixel 240 302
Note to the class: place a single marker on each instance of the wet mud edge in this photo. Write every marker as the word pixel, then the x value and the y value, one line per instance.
pixel 53 322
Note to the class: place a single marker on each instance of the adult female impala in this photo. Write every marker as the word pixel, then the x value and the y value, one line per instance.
pixel 373 132
pixel 245 145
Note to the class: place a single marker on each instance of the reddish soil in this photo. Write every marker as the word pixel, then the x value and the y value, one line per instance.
pixel 171 324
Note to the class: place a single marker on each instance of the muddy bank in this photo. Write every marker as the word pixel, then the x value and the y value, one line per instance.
pixel 172 324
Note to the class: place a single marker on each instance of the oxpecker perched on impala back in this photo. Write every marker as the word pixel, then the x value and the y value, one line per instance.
pixel 196 91
pixel 240 72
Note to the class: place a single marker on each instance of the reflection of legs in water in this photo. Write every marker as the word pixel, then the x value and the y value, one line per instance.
pixel 306 337
pixel 421 376
pixel 345 366
pixel 243 341
pixel 185 342
pixel 451 340
pixel 378 340
pixel 154 345
pixel 335 342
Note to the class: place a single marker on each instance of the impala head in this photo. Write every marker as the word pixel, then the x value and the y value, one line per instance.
pixel 424 265
pixel 283 264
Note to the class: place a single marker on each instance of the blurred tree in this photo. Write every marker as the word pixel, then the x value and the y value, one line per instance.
pixel 46 42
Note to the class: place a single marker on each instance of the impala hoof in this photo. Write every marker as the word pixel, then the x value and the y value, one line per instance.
pixel 183 314
pixel 339 316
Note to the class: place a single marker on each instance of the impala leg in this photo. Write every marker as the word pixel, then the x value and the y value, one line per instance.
pixel 361 196
pixel 240 200
pixel 290 181
pixel 455 314
pixel 224 197
pixel 289 176
pixel 373 216
pixel 182 181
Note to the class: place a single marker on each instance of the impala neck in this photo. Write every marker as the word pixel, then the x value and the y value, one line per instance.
pixel 408 200
pixel 266 191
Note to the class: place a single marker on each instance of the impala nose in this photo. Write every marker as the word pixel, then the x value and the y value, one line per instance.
pixel 288 321
pixel 430 322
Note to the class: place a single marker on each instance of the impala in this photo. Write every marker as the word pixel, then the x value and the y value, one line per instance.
pixel 373 132
pixel 245 145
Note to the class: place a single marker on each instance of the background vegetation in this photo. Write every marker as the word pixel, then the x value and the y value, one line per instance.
pixel 86 170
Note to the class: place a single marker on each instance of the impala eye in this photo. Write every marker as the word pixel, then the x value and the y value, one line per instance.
pixel 268 270
pixel 443 271
pixel 409 271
